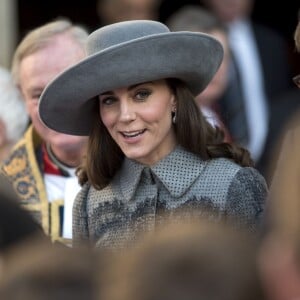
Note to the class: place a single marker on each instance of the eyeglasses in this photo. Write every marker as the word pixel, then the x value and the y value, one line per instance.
pixel 296 80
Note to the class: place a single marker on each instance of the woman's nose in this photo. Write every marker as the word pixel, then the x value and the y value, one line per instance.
pixel 127 112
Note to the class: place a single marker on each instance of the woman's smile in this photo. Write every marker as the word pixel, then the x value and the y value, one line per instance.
pixel 132 134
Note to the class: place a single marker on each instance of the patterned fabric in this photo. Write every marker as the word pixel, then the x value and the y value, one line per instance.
pixel 49 167
pixel 138 196
pixel 23 168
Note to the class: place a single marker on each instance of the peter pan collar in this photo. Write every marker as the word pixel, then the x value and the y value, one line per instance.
pixel 177 172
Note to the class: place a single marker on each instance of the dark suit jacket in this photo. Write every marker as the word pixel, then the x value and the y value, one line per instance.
pixel 273 55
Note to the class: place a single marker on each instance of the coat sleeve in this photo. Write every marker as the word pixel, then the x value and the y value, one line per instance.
pixel 80 218
pixel 246 198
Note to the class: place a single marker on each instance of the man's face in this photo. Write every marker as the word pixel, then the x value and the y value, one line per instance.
pixel 36 71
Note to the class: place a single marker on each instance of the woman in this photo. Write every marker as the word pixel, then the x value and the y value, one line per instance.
pixel 150 149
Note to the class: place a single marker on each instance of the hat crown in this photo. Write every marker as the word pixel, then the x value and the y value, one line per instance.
pixel 122 32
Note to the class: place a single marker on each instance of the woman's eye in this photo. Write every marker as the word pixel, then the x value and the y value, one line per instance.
pixel 142 95
pixel 108 100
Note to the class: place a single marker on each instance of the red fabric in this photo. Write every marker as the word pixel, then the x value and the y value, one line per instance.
pixel 49 166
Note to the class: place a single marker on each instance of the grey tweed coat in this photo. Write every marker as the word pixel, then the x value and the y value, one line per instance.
pixel 134 199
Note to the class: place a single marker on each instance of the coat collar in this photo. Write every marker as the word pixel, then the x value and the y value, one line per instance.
pixel 177 171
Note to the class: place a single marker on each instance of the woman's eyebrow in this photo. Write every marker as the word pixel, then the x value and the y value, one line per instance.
pixel 135 85
pixel 131 87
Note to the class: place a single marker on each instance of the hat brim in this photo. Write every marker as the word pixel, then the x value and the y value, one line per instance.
pixel 67 103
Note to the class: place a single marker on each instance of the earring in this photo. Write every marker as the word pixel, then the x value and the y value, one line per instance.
pixel 174 116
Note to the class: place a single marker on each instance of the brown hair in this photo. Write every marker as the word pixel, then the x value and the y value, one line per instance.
pixel 104 157
pixel 192 259
pixel 38 270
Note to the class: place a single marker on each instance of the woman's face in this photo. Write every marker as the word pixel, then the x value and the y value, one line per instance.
pixel 139 119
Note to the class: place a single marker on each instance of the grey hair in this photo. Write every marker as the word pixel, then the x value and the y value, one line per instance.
pixel 194 18
pixel 40 38
pixel 13 112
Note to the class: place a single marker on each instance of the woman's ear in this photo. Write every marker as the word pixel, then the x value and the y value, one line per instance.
pixel 173 102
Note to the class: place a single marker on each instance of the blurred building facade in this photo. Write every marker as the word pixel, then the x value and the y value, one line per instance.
pixel 8 30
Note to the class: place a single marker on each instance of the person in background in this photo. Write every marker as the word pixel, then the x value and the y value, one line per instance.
pixel 37 270
pixel 280 253
pixel 16 224
pixel 112 11
pixel 197 18
pixel 41 167
pixel 189 260
pixel 260 72
pixel 284 114
pixel 13 116
pixel 150 148
pixel 279 259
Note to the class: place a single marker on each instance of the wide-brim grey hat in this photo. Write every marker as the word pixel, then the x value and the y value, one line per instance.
pixel 123 54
